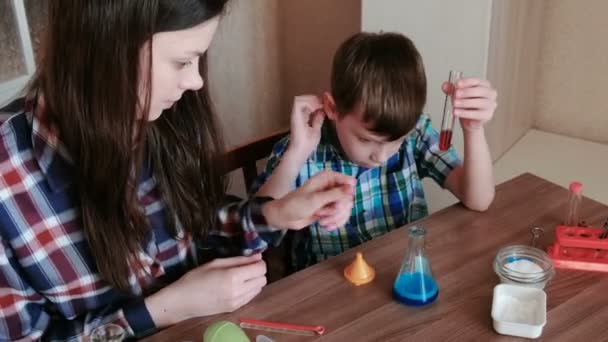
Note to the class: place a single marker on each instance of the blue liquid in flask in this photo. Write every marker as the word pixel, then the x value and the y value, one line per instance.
pixel 415 284
pixel 415 289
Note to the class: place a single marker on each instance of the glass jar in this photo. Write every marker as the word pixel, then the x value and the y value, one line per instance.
pixel 108 333
pixel 523 265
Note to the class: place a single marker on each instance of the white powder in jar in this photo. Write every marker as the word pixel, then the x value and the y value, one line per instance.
pixel 525 267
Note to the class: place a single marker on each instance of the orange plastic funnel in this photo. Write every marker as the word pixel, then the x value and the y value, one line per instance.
pixel 359 272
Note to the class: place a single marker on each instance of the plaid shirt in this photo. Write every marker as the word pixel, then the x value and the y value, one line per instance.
pixel 386 197
pixel 49 286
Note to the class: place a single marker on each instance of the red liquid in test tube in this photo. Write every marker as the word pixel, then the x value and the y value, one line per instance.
pixel 447 123
pixel 445 140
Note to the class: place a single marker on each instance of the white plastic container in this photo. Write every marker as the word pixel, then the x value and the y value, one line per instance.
pixel 519 310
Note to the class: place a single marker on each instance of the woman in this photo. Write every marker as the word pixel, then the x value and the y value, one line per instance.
pixel 110 182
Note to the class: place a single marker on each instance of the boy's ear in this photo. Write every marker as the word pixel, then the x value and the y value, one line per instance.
pixel 329 105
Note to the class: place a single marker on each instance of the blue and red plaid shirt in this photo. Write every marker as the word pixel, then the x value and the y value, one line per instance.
pixel 49 285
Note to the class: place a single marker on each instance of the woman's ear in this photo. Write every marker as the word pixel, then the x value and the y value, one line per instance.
pixel 329 106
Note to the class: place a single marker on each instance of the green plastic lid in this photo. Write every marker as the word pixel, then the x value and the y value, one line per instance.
pixel 224 331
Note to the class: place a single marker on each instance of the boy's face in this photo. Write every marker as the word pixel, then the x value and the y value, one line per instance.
pixel 361 146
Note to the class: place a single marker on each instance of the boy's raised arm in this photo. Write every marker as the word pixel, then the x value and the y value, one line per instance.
pixel 306 121
pixel 473 183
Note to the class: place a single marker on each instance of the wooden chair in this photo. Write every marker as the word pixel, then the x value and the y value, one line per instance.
pixel 245 157
pixel 11 108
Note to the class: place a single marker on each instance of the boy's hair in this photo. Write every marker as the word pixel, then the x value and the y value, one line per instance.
pixel 382 76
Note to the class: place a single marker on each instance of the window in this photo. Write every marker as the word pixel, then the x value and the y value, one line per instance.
pixel 21 25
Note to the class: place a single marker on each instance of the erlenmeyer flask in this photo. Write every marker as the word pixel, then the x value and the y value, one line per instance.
pixel 415 284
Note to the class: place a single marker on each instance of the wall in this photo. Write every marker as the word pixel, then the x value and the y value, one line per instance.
pixel 21 23
pixel 536 53
pixel 244 79
pixel 514 49
pixel 311 31
pixel 268 51
pixel 573 68
pixel 11 55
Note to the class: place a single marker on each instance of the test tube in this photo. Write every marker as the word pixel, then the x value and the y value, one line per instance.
pixel 574 203
pixel 447 123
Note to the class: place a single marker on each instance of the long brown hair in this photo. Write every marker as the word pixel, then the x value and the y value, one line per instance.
pixel 88 76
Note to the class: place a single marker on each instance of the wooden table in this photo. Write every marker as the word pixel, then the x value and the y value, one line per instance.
pixel 461 246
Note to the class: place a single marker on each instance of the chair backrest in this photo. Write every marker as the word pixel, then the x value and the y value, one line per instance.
pixel 246 155
pixel 11 108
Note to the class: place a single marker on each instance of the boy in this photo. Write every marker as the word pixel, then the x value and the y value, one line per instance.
pixel 376 133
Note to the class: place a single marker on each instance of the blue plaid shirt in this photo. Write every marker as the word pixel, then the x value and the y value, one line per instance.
pixel 386 197
pixel 49 285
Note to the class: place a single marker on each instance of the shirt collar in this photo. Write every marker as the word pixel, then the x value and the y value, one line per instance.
pixel 51 154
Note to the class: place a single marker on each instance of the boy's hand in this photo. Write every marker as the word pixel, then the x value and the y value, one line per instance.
pixel 474 102
pixel 307 116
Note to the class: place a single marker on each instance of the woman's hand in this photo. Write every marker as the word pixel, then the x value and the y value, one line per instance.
pixel 327 197
pixel 222 285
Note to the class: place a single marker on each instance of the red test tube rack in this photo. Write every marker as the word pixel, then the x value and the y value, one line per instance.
pixel 580 248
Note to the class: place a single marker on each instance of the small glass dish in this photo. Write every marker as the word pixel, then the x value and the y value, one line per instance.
pixel 523 265
pixel 108 333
